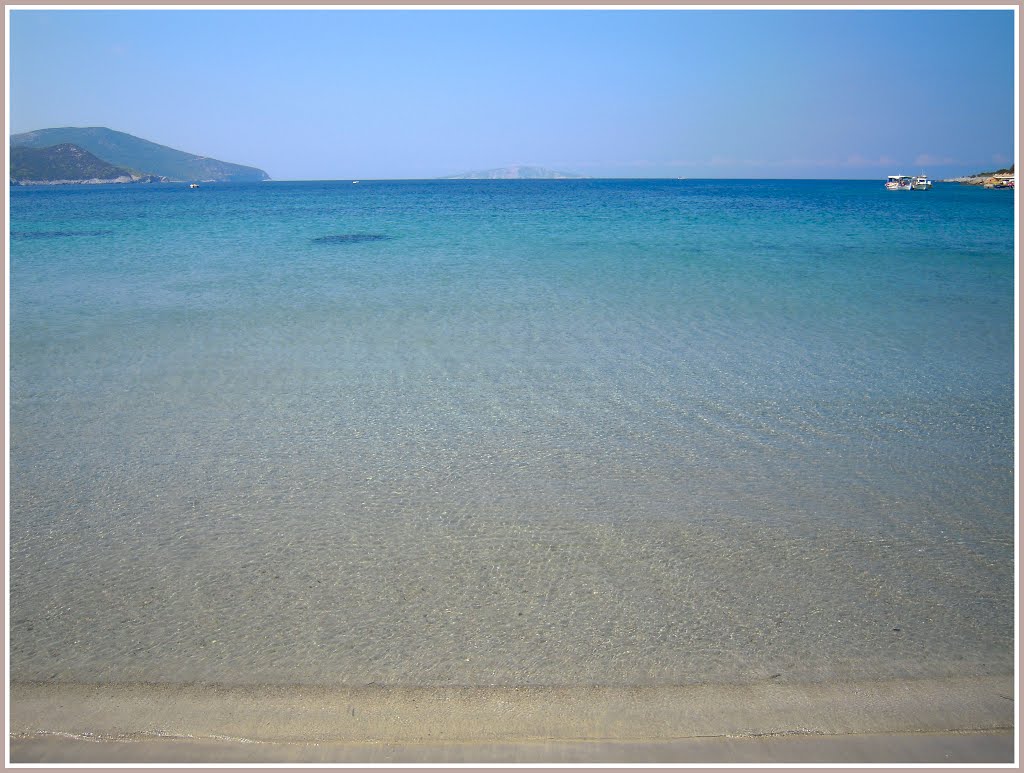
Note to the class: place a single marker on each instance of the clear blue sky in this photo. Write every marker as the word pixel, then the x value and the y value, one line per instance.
pixel 339 94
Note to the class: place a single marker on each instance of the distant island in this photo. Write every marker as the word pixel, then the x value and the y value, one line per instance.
pixel 516 173
pixel 98 154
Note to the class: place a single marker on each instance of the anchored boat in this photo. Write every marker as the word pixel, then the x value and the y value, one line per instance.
pixel 899 182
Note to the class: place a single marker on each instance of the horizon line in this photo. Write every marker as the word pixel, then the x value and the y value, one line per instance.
pixel 576 179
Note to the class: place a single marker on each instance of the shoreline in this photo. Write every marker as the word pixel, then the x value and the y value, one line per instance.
pixel 972 716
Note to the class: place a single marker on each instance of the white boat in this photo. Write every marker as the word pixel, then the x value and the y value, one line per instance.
pixel 193 185
pixel 921 183
pixel 899 182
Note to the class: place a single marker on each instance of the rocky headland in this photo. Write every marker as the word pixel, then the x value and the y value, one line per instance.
pixel 66 164
pixel 996 179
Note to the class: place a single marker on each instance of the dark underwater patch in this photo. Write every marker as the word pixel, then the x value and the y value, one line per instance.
pixel 56 234
pixel 350 238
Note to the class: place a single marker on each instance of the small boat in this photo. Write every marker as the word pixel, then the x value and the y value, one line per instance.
pixel 921 183
pixel 355 182
pixel 899 182
pixel 193 185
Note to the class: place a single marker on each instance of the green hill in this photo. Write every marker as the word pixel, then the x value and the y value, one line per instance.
pixel 66 163
pixel 125 150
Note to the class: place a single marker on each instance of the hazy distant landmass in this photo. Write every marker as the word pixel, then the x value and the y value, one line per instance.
pixel 67 163
pixel 141 156
pixel 516 173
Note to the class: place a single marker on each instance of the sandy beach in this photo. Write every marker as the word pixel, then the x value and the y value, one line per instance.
pixel 942 720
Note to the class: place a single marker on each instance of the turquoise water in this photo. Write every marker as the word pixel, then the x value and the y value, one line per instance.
pixel 511 432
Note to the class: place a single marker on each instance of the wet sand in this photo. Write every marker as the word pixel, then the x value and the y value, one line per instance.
pixel 963 748
pixel 936 720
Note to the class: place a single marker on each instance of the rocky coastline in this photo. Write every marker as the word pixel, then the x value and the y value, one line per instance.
pixel 144 178
pixel 997 179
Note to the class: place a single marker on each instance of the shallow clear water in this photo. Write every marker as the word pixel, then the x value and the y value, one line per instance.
pixel 508 432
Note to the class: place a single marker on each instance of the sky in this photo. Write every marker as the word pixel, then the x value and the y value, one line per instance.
pixel 370 94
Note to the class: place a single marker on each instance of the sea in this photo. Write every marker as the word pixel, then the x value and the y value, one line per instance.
pixel 511 432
